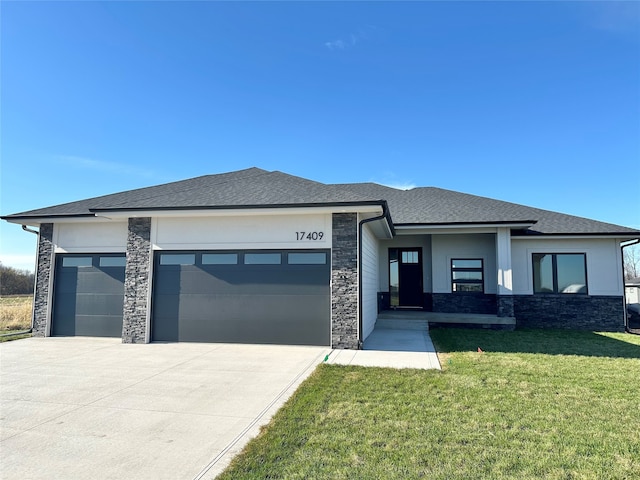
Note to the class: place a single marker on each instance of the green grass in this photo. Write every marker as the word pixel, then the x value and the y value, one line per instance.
pixel 534 404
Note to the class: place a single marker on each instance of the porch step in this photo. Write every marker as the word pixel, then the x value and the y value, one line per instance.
pixel 470 318
pixel 406 319
pixel 401 324
pixel 404 315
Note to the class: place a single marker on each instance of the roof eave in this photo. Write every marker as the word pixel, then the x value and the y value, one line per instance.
pixel 620 235
pixel 437 225
pixel 239 207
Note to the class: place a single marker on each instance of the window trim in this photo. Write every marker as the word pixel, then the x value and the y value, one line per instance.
pixel 554 273
pixel 466 269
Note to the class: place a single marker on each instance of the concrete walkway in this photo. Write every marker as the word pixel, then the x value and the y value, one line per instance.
pixel 395 347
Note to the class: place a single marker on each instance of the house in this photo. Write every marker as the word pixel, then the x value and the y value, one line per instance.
pixel 255 256
pixel 632 290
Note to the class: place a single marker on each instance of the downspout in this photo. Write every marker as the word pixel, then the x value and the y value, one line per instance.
pixel 35 278
pixel 624 290
pixel 385 214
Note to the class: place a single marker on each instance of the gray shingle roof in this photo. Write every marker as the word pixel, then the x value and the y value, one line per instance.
pixel 431 205
pixel 255 187
pixel 250 187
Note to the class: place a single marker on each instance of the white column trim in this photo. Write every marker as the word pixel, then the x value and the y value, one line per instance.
pixel 503 261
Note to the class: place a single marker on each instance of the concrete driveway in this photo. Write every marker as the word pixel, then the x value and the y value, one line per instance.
pixel 95 408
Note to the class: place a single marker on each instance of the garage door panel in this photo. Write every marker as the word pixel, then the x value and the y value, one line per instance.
pixel 88 280
pixel 239 303
pixel 195 287
pixel 104 304
pixel 242 279
pixel 88 300
pixel 235 321
pixel 239 306
pixel 99 281
pixel 90 326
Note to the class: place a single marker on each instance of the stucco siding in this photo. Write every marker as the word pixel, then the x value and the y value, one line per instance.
pixel 242 232
pixel 604 264
pixel 447 247
pixel 90 237
pixel 370 272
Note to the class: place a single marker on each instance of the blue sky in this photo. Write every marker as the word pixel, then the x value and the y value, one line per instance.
pixel 536 103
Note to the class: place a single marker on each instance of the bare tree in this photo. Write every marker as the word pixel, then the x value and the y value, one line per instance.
pixel 14 281
pixel 631 262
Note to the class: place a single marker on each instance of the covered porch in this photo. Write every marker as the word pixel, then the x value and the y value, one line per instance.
pixel 460 276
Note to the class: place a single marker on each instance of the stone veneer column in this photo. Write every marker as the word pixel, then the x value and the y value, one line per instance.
pixel 137 281
pixel 344 281
pixel 505 306
pixel 43 280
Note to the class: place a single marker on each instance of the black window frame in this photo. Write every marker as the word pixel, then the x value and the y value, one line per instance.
pixel 467 269
pixel 554 273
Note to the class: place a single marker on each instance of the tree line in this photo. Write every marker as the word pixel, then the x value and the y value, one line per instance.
pixel 15 282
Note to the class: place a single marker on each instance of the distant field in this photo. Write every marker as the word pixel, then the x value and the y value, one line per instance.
pixel 15 313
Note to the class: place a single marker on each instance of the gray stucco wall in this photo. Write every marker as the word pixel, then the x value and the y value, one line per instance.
pixel 344 281
pixel 137 281
pixel 582 312
pixel 44 270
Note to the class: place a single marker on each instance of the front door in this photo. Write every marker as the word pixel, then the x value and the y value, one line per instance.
pixel 405 277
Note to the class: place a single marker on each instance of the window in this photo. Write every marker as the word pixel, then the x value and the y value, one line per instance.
pixel 262 258
pixel 307 258
pixel 410 257
pixel 467 275
pixel 178 259
pixel 559 273
pixel 113 261
pixel 219 258
pixel 77 261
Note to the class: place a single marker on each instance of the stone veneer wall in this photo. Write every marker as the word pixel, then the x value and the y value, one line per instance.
pixel 505 305
pixel 344 281
pixel 44 271
pixel 464 303
pixel 582 312
pixel 137 281
pixel 384 301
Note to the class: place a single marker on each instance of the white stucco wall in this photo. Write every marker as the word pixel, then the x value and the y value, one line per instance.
pixel 446 247
pixel 604 263
pixel 87 237
pixel 405 241
pixel 241 232
pixel 370 272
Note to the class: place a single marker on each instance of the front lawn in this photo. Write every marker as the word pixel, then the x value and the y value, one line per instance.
pixel 532 404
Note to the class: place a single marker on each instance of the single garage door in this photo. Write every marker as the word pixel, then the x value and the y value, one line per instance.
pixel 265 296
pixel 88 295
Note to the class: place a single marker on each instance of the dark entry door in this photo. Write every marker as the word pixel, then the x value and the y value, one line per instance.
pixel 410 278
pixel 405 272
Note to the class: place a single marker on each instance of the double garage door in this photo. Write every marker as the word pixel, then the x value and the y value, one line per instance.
pixel 260 296
pixel 257 296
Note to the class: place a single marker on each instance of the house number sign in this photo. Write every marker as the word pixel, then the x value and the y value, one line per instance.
pixel 300 236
